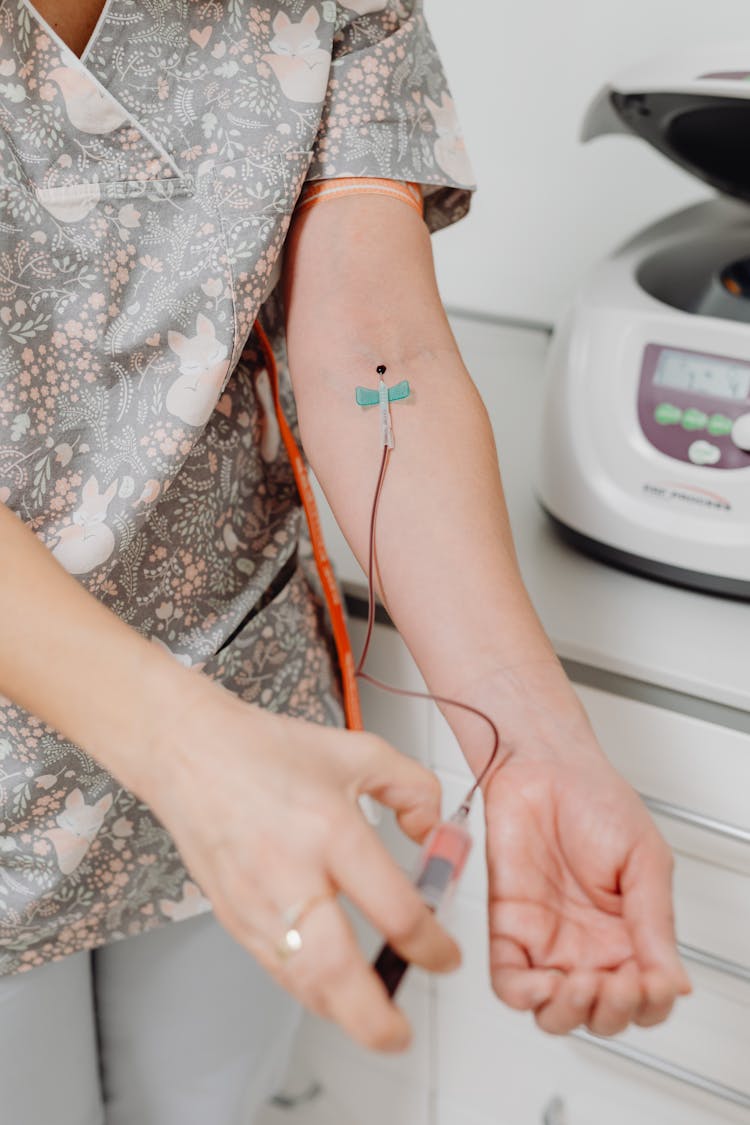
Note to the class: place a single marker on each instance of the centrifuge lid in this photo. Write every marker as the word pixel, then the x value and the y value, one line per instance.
pixel 694 107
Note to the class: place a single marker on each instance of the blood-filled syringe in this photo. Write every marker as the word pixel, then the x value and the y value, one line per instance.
pixel 440 866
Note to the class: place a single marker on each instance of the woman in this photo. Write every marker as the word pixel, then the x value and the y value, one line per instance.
pixel 168 736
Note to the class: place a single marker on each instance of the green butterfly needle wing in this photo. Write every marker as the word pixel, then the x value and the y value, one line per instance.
pixel 399 390
pixel 366 397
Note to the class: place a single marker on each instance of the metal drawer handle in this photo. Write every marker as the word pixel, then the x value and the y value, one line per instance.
pixel 712 961
pixel 698 820
pixel 291 1101
pixel 554 1114
pixel 663 1066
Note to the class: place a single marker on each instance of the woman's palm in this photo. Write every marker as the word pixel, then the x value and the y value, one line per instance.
pixel 567 850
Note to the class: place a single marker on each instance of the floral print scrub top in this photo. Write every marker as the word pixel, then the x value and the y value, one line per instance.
pixel 145 193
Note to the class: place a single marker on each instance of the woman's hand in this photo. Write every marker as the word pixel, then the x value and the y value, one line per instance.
pixel 264 811
pixel 262 808
pixel 580 901
pixel 580 896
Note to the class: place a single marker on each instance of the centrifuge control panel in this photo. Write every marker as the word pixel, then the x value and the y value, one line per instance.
pixel 695 407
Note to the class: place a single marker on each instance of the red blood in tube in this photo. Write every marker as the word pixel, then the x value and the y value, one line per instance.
pixel 450 842
pixel 443 859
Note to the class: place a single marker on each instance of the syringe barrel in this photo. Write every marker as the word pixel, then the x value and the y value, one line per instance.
pixel 441 864
pixel 442 861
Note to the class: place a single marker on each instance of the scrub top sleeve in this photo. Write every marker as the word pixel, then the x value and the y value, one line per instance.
pixel 388 111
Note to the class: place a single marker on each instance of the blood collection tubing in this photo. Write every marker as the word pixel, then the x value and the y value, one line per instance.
pixel 352 710
pixel 446 850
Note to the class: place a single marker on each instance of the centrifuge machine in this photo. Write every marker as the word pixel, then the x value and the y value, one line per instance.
pixel 645 451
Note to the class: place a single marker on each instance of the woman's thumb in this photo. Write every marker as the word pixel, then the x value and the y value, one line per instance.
pixel 400 783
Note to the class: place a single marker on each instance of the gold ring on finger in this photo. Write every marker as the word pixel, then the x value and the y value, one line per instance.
pixel 291 942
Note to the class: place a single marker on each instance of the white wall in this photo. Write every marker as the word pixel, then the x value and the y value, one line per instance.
pixel 522 74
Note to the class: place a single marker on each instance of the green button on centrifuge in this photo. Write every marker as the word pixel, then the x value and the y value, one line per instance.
pixel 694 419
pixel 666 414
pixel 719 424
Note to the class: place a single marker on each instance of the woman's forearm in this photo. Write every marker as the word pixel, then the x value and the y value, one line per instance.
pixel 71 662
pixel 360 290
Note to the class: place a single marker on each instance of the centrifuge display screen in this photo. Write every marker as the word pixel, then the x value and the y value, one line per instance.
pixel 702 374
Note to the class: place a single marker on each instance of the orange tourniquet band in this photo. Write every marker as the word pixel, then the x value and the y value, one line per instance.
pixel 341 640
pixel 318 191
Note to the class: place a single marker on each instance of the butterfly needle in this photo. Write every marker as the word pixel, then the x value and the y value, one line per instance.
pixel 385 414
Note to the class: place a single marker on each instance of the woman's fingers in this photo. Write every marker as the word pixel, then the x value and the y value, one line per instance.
pixel 514 981
pixel 606 1001
pixel 328 973
pixel 360 865
pixel 331 970
pixel 405 786
pixel 571 1004
pixel 618 999
pixel 525 989
pixel 646 887
pixel 274 820
pixel 658 998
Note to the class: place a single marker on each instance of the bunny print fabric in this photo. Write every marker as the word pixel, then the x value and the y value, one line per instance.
pixel 145 194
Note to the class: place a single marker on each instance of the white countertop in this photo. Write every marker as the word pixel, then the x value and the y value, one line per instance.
pixel 608 619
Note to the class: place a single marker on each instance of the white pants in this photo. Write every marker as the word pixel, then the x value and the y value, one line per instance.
pixel 179 1026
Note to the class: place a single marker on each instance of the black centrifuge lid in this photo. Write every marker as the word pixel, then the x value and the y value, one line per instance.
pixel 702 123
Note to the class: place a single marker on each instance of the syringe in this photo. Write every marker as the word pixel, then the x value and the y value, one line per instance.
pixel 439 868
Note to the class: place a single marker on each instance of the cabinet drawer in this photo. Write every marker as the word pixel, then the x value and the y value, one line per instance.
pixel 587 1102
pixel 697 774
pixel 449 1112
pixel 355 1095
pixel 712 909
